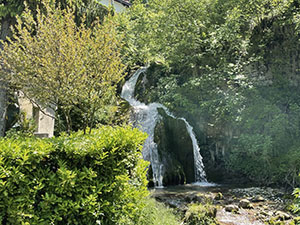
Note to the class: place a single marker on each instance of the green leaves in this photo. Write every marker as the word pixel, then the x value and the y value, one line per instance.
pixel 11 8
pixel 76 179
pixel 230 67
pixel 296 206
pixel 56 63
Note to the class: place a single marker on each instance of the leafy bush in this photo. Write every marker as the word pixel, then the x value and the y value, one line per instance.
pixel 296 206
pixel 81 75
pixel 201 214
pixel 266 149
pixel 23 127
pixel 155 213
pixel 78 179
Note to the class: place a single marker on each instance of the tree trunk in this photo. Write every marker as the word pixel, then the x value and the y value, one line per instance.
pixel 5 32
pixel 3 106
pixel 66 113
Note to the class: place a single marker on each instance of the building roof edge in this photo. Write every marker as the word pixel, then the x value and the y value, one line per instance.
pixel 124 2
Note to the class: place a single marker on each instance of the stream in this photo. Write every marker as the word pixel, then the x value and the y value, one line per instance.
pixel 234 205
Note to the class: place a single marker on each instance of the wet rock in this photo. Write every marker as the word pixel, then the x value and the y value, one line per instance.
pixel 188 198
pixel 265 193
pixel 202 198
pixel 173 204
pixel 231 208
pixel 245 204
pixel 159 198
pixel 260 217
pixel 268 214
pixel 282 216
pixel 258 199
pixel 199 198
pixel 175 149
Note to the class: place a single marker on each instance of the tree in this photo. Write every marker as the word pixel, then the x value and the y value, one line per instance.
pixel 9 9
pixel 63 65
pixel 231 67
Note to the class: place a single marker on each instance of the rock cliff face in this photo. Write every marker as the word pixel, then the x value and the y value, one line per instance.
pixel 279 51
pixel 175 149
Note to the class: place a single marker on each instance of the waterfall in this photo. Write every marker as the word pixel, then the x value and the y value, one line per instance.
pixel 146 116
pixel 200 175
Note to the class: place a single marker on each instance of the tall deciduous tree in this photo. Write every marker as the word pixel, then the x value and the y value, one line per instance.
pixel 9 9
pixel 62 64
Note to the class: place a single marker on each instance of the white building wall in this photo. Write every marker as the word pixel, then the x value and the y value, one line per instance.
pixel 116 5
pixel 44 123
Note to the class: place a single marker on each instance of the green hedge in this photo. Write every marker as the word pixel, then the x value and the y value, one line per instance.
pixel 78 179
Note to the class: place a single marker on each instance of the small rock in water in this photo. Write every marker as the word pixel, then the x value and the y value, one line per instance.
pixel 174 204
pixel 269 214
pixel 231 208
pixel 245 204
pixel 199 198
pixel 188 198
pixel 258 199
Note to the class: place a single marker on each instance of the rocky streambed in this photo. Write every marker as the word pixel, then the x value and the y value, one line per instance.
pixel 232 205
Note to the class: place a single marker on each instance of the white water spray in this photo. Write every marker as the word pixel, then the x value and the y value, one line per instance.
pixel 146 116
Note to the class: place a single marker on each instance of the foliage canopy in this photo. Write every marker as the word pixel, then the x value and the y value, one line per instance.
pixel 77 179
pixel 232 69
pixel 56 63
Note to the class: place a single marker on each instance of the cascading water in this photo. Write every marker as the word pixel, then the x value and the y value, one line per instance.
pixel 146 116
pixel 200 175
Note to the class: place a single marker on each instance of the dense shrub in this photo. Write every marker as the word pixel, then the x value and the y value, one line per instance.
pixel 295 207
pixel 77 179
pixel 201 214
pixel 156 213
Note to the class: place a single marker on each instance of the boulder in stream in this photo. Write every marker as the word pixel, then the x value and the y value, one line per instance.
pixel 245 204
pixel 258 198
pixel 231 208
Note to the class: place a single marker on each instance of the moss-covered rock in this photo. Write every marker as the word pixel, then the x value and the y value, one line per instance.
pixel 201 214
pixel 148 82
pixel 175 149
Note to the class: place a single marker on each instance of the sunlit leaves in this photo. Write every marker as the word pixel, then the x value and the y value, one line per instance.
pixel 58 64
pixel 77 179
